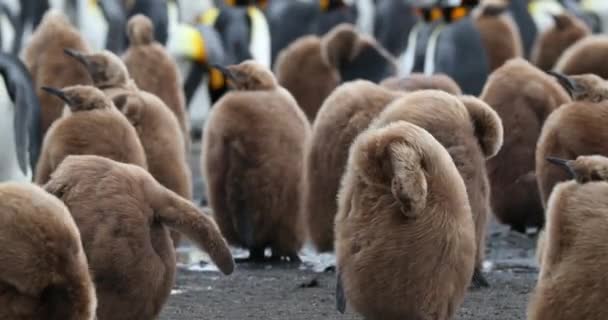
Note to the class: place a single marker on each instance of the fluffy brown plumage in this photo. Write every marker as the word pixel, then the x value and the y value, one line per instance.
pixel 575 129
pixel 157 127
pixel 44 58
pixel 252 157
pixel 93 126
pixel 499 34
pixel 585 56
pixel 550 45
pixel 347 112
pixel 419 81
pixel 43 269
pixel 403 219
pixel 572 282
pixel 153 69
pixel 470 131
pixel 523 97
pixel 310 68
pixel 123 215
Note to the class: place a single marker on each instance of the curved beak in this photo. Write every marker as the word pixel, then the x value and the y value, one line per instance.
pixel 565 81
pixel 76 55
pixel 563 164
pixel 58 93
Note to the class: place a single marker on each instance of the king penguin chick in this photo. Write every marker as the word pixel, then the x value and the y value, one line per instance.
pixel 471 132
pixel 157 127
pixel 253 149
pixel 153 70
pixel 48 66
pixel 346 113
pixel 312 67
pixel 523 96
pixel 585 56
pixel 123 214
pixel 575 129
pixel 403 218
pixel 44 272
pixel 572 283
pixel 499 33
pixel 93 126
pixel 566 30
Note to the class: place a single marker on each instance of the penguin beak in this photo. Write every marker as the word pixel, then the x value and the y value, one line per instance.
pixel 76 55
pixel 58 93
pixel 225 71
pixel 564 81
pixel 564 164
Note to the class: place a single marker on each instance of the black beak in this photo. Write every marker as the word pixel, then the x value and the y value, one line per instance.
pixel 565 81
pixel 562 163
pixel 58 93
pixel 225 71
pixel 76 55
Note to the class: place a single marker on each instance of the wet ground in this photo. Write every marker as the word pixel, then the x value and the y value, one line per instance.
pixel 306 292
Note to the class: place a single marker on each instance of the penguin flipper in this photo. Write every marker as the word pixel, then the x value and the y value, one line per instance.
pixel 340 298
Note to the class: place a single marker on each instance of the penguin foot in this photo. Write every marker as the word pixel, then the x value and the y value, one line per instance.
pixel 479 280
pixel 256 255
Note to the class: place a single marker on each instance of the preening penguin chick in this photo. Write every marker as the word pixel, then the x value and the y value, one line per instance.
pixel 347 112
pixel 499 33
pixel 575 129
pixel 471 132
pixel 312 67
pixel 420 81
pixel 523 96
pixel 253 149
pixel 585 56
pixel 43 271
pixel 153 70
pixel 123 215
pixel 549 46
pixel 403 218
pixel 94 126
pixel 48 66
pixel 572 282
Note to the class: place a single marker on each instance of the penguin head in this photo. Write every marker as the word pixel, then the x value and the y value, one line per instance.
pixel 584 87
pixel 140 30
pixel 81 98
pixel 248 75
pixel 106 68
pixel 584 168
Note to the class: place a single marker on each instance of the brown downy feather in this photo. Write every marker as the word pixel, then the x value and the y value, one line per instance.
pixel 44 58
pixel 43 268
pixel 402 197
pixel 155 71
pixel 499 34
pixel 572 282
pixel 587 55
pixel 419 81
pixel 575 129
pixel 123 214
pixel 253 149
pixel 94 126
pixel 550 45
pixel 523 96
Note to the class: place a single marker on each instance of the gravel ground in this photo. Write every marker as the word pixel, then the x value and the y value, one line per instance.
pixel 300 292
